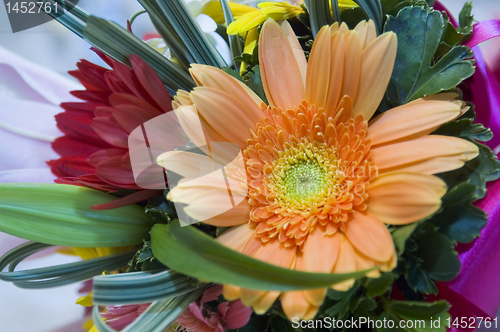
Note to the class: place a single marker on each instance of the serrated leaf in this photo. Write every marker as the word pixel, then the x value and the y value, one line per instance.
pixel 378 286
pixel 192 252
pixel 61 215
pixel 460 220
pixel 418 310
pixel 415 75
pixel 466 19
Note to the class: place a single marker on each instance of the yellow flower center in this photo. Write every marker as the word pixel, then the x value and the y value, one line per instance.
pixel 304 176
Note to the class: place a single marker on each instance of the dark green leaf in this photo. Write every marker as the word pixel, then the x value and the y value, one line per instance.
pixel 466 19
pixel 415 75
pixel 234 40
pixel 401 234
pixel 460 220
pixel 61 215
pixel 418 310
pixel 373 11
pixel 378 286
pixel 319 14
pixel 254 82
pixel 192 252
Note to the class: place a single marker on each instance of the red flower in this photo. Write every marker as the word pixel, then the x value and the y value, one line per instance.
pixel 94 150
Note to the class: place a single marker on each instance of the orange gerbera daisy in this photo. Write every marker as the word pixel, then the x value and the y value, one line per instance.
pixel 322 181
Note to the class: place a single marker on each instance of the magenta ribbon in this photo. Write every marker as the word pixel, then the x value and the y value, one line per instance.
pixel 476 290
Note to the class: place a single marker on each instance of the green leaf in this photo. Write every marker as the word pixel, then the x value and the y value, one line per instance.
pixel 419 316
pixel 378 286
pixel 119 44
pixel 254 82
pixel 192 252
pixel 415 75
pixel 418 310
pixel 401 234
pixel 466 19
pixel 436 260
pixel 460 220
pixel 61 215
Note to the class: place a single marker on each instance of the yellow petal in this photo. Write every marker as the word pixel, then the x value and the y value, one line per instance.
pixel 265 302
pixel 377 62
pixel 245 22
pixel 230 292
pixel 214 10
pixel 85 301
pixel 411 120
pixel 370 236
pixel 281 76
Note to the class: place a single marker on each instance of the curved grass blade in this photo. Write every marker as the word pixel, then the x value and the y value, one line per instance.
pixel 234 40
pixel 167 32
pixel 319 14
pixel 73 19
pixel 336 11
pixel 373 11
pixel 157 317
pixel 182 21
pixel 59 275
pixel 194 253
pixel 60 214
pixel 119 44
pixel 141 287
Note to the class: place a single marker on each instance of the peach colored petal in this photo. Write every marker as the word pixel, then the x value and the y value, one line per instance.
pixel 352 66
pixel 403 154
pixel 298 52
pixel 318 73
pixel 377 62
pixel 230 292
pixel 434 165
pixel 365 263
pixel 337 67
pixel 311 313
pixel 367 32
pixel 411 120
pixel 281 75
pixel 236 237
pixel 294 304
pixel 212 77
pixel 370 236
pixel 403 198
pixel 236 216
pixel 346 263
pixel 220 109
pixel 186 164
pixel 320 252
pixel 265 302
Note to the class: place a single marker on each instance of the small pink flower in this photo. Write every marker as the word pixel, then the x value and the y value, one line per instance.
pixel 231 315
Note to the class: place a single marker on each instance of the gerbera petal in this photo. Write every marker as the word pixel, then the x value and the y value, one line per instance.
pixel 220 109
pixel 298 52
pixel 370 236
pixel 405 153
pixel 345 263
pixel 294 304
pixel 365 263
pixel 402 198
pixel 265 302
pixel 236 237
pixel 352 66
pixel 410 120
pixel 434 165
pixel 367 32
pixel 281 75
pixel 231 292
pixel 212 77
pixel 377 62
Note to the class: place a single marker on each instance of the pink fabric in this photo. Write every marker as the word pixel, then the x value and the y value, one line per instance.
pixel 484 31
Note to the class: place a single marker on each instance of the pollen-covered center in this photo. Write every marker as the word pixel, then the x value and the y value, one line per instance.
pixel 303 176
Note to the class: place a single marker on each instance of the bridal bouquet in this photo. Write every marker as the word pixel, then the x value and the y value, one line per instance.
pixel 325 177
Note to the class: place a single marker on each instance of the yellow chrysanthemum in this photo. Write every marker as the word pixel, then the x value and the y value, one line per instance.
pixel 323 177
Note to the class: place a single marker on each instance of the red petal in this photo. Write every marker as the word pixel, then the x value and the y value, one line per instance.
pixel 110 131
pixel 92 96
pixel 152 83
pixel 130 116
pixel 77 124
pixel 105 111
pixel 111 170
pixel 86 106
pixel 68 146
pixel 116 84
pixel 136 197
pixel 104 154
pixel 70 166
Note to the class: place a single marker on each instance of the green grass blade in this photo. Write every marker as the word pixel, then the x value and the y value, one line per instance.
pixel 194 253
pixel 59 275
pixel 336 11
pixel 319 14
pixel 61 215
pixel 167 32
pixel 234 40
pixel 141 287
pixel 119 44
pixel 373 11
pixel 182 21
